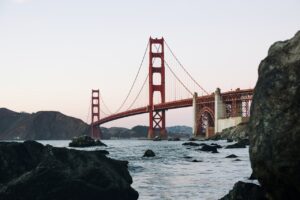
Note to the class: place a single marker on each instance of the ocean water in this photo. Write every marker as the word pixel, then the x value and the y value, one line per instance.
pixel 171 175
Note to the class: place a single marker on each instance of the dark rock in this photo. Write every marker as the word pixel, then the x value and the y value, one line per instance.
pixel 192 139
pixel 209 148
pixel 31 171
pixel 149 153
pixel 245 191
pixel 157 138
pixel 229 140
pixel 85 141
pixel 196 160
pixel 237 160
pixel 252 176
pixel 174 139
pixel 244 141
pixel 240 144
pixel 231 156
pixel 216 145
pixel 233 133
pixel 187 157
pixel 274 127
pixel 236 145
pixel 191 144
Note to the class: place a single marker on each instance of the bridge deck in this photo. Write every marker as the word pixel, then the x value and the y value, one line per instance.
pixel 226 96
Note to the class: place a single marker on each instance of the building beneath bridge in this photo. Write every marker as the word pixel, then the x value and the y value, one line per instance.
pixel 221 111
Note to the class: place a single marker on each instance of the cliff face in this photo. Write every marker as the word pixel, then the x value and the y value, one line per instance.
pixel 43 125
pixel 274 127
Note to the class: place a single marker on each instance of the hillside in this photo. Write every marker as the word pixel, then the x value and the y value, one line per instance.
pixel 50 125
pixel 42 125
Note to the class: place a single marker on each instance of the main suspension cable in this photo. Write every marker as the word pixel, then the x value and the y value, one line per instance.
pixel 136 76
pixel 175 75
pixel 139 92
pixel 89 112
pixel 103 102
pixel 185 69
pixel 185 87
pixel 144 83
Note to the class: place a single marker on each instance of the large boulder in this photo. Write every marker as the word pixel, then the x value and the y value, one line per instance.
pixel 31 171
pixel 274 127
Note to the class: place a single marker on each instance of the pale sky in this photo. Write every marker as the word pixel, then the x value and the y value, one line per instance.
pixel 53 52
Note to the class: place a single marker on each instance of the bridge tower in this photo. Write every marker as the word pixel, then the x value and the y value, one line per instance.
pixel 95 114
pixel 157 118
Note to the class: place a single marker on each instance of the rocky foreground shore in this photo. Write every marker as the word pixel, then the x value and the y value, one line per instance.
pixel 31 171
pixel 274 127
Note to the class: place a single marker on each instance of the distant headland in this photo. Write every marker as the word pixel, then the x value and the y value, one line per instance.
pixel 52 125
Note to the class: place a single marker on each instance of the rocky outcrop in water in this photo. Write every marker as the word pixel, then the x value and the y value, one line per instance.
pixel 245 191
pixel 208 148
pixel 31 171
pixel 85 141
pixel 231 156
pixel 149 153
pixel 233 133
pixel 274 126
pixel 240 144
pixel 191 144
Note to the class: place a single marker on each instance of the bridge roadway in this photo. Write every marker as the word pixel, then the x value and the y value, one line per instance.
pixel 239 95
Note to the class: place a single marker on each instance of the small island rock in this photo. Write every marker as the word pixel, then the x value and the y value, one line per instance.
pixel 149 153
pixel 85 141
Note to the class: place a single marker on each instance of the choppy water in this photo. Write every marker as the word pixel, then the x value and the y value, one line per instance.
pixel 170 175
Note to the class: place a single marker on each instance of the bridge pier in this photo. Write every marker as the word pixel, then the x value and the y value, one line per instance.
pixel 219 109
pixel 157 118
pixel 96 132
pixel 229 112
pixel 195 114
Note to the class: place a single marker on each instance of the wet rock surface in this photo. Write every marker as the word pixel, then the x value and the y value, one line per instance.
pixel 208 148
pixel 274 127
pixel 85 141
pixel 231 156
pixel 149 153
pixel 240 144
pixel 174 139
pixel 245 191
pixel 31 171
pixel 216 145
pixel 191 144
pixel 156 138
pixel 233 133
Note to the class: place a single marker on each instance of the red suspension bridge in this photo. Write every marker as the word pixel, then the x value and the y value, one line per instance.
pixel 212 111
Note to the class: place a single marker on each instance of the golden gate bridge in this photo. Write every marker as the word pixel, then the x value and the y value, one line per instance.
pixel 212 112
